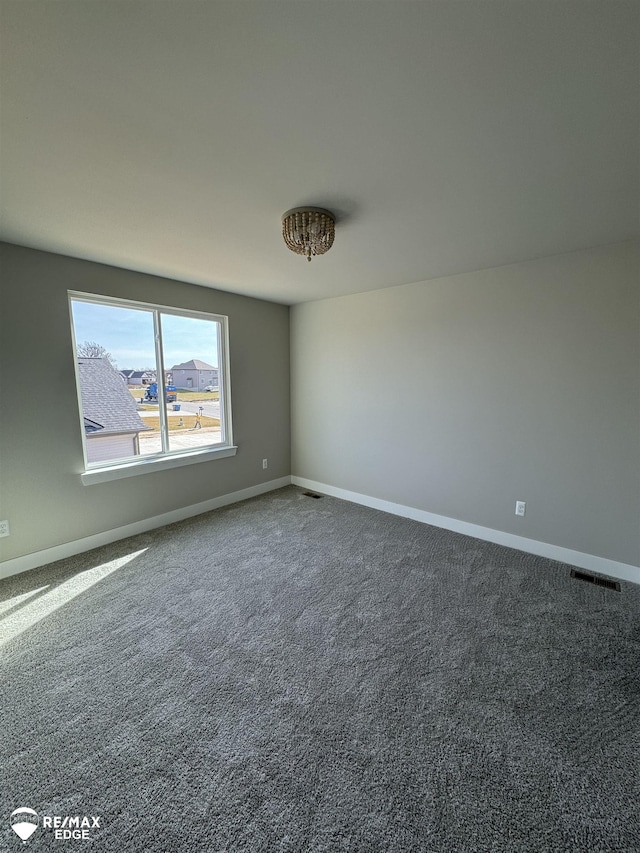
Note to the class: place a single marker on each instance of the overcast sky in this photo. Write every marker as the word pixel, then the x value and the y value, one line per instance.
pixel 128 335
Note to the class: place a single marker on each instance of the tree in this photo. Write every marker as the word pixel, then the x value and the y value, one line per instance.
pixel 91 349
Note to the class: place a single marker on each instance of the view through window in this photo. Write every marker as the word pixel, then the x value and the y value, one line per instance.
pixel 151 380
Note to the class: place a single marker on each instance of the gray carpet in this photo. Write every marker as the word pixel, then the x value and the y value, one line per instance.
pixel 291 674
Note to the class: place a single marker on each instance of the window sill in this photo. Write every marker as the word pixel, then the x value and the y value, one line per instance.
pixel 149 466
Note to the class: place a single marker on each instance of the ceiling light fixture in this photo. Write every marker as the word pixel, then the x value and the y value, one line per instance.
pixel 308 230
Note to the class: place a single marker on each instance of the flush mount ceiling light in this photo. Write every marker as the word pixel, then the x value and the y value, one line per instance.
pixel 308 230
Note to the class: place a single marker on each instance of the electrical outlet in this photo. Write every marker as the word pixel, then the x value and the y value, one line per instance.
pixel 4 528
pixel 521 507
pixel 265 463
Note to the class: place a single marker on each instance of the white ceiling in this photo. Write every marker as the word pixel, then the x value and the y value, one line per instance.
pixel 170 136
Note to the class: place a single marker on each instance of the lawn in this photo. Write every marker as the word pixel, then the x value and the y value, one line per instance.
pixel 183 396
pixel 188 422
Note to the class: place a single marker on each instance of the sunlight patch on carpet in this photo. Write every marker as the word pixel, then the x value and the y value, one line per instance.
pixel 18 621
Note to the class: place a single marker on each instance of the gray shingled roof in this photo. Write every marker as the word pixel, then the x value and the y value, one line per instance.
pixel 106 400
pixel 194 364
pixel 91 426
pixel 136 374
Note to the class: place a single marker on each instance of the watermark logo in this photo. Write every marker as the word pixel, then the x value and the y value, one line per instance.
pixel 24 822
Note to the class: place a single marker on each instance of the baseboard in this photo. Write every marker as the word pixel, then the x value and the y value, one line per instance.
pixel 69 549
pixel 612 568
pixel 621 571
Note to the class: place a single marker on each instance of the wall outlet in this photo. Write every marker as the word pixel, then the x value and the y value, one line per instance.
pixel 265 463
pixel 521 507
pixel 4 528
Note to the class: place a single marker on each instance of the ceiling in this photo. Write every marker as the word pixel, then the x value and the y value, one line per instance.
pixel 169 137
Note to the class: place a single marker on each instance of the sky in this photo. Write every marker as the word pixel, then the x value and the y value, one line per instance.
pixel 127 333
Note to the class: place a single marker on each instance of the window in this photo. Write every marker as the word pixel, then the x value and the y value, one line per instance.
pixel 153 385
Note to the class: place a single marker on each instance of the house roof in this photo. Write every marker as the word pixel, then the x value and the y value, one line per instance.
pixel 107 405
pixel 91 426
pixel 130 375
pixel 194 364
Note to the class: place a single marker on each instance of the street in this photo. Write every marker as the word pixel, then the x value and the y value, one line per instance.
pixel 210 408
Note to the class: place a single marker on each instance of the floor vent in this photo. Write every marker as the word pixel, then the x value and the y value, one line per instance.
pixel 587 576
pixel 312 495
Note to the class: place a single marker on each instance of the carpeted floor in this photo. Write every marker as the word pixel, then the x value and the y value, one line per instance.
pixel 291 674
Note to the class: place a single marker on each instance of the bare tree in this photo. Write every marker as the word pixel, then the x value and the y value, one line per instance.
pixel 91 349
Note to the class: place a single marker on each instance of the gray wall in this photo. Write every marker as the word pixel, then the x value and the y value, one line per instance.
pixel 40 443
pixel 461 395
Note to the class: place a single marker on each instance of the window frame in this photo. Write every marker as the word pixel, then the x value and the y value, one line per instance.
pixel 104 471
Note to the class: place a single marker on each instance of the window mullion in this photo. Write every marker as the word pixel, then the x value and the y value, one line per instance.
pixel 162 396
pixel 223 381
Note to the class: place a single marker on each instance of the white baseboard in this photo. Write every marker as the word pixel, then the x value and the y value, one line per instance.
pixel 622 571
pixel 69 549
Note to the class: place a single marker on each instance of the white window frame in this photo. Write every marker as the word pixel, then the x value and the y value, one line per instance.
pixel 104 471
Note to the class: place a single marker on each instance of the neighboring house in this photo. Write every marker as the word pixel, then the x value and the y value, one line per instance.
pixel 195 374
pixel 138 378
pixel 111 419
